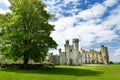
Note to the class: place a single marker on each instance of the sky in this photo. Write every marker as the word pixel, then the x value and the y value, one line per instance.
pixel 93 22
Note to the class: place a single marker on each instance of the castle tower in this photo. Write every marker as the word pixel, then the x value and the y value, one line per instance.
pixel 67 50
pixel 104 52
pixel 62 57
pixel 76 52
pixel 106 55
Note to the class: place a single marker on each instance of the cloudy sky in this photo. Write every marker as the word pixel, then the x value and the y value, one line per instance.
pixel 93 22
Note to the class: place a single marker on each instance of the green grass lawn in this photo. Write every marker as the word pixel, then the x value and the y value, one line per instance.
pixel 109 72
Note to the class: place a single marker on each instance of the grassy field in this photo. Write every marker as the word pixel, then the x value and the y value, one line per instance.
pixel 109 72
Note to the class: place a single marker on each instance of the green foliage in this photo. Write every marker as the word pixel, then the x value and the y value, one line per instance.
pixel 26 31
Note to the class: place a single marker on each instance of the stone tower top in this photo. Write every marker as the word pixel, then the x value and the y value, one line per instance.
pixel 60 50
pixel 67 41
pixel 102 45
pixel 106 48
pixel 75 40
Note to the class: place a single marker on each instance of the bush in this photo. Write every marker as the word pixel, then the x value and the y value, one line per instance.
pixel 1 65
pixel 111 62
pixel 118 62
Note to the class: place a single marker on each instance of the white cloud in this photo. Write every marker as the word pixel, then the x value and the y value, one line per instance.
pixel 63 23
pixel 109 3
pixel 106 35
pixel 87 31
pixel 117 52
pixel 116 10
pixel 95 11
pixel 112 21
pixel 68 1
pixel 54 7
pixel 4 11
pixel 6 2
pixel 115 55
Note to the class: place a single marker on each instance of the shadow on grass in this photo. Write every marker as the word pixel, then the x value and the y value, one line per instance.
pixel 58 71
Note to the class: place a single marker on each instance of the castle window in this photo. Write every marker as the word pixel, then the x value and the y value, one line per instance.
pixel 70 50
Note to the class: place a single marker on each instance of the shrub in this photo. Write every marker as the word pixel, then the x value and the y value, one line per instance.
pixel 111 62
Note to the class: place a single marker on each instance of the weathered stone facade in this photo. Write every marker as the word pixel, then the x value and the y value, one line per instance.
pixel 74 56
pixel 54 59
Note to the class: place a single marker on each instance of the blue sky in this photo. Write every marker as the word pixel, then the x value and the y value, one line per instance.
pixel 93 22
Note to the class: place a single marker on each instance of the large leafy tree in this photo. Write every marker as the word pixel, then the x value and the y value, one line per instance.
pixel 25 31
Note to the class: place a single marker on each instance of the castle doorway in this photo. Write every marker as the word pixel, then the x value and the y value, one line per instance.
pixel 71 62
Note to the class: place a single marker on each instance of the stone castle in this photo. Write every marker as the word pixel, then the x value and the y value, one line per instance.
pixel 74 56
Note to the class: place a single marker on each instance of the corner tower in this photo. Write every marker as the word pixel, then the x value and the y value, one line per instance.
pixel 75 52
pixel 104 52
pixel 67 51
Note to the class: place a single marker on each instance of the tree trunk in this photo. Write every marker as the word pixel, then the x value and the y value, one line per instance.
pixel 26 59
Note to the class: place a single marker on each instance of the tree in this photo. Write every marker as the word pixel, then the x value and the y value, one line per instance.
pixel 26 31
pixel 111 62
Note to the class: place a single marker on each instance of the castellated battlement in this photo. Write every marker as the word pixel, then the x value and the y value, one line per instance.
pixel 74 56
